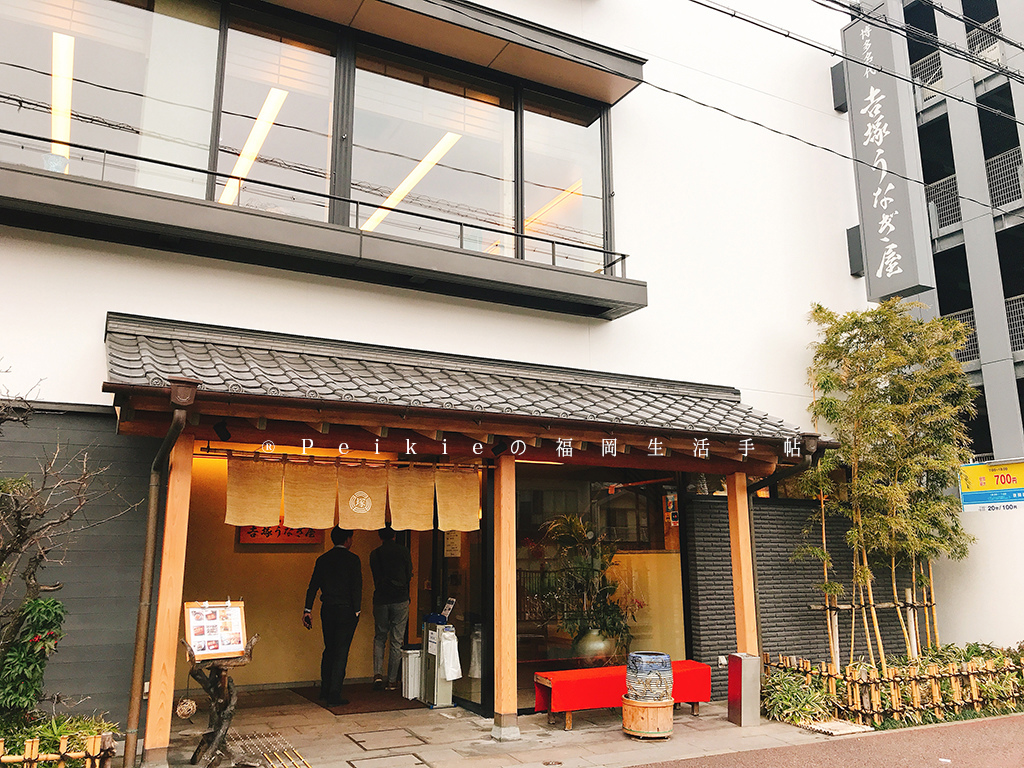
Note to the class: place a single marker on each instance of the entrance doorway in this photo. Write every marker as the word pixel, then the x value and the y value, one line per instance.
pixel 271 579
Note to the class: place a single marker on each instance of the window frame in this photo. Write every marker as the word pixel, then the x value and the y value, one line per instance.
pixel 346 42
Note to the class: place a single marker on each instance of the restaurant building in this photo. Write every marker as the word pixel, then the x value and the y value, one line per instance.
pixel 360 262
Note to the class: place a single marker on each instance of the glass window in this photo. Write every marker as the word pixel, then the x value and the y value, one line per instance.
pixel 560 573
pixel 563 188
pixel 112 76
pixel 276 122
pixel 434 143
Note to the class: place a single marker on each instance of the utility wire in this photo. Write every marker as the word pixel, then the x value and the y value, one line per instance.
pixel 768 27
pixel 978 25
pixel 919 35
pixel 721 110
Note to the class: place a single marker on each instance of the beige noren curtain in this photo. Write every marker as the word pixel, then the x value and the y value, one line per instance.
pixel 310 492
pixel 458 499
pixel 362 494
pixel 411 498
pixel 254 492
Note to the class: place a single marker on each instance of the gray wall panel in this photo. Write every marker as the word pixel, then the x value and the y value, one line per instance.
pixel 785 588
pixel 102 565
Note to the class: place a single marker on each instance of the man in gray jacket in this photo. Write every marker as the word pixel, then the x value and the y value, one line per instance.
pixel 391 566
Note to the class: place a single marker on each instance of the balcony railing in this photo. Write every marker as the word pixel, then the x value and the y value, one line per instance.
pixel 944 203
pixel 970 350
pixel 1004 186
pixel 1004 177
pixel 927 70
pixel 982 42
pixel 1014 321
pixel 122 167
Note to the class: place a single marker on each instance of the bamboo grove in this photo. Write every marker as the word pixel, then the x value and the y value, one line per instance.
pixel 888 387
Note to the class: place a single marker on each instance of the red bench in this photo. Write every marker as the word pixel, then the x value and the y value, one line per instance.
pixel 568 690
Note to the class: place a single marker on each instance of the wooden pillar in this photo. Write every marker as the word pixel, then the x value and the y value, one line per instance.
pixel 506 702
pixel 741 548
pixel 168 601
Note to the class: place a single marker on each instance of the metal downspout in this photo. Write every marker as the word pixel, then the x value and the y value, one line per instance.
pixel 182 393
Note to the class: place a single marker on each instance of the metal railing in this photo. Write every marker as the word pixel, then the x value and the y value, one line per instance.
pixel 99 163
pixel 944 195
pixel 1004 183
pixel 980 458
pixel 968 351
pixel 927 71
pixel 981 40
pixel 1015 322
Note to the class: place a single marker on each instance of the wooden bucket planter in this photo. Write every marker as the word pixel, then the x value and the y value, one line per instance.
pixel 647 719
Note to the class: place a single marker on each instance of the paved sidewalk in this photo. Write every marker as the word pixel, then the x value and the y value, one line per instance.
pixel 456 738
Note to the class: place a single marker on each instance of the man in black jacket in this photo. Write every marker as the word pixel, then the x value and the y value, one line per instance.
pixel 391 566
pixel 338 577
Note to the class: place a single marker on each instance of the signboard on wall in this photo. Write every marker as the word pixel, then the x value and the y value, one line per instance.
pixel 278 534
pixel 215 630
pixel 993 487
pixel 893 211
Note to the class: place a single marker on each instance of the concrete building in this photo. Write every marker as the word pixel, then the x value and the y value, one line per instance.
pixel 363 226
pixel 969 138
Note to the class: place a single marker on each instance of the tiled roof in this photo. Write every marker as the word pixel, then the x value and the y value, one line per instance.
pixel 145 351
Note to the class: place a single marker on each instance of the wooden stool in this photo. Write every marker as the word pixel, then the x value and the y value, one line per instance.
pixel 647 719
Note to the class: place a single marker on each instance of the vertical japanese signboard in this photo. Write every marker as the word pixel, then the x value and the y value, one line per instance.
pixel 893 211
pixel 995 487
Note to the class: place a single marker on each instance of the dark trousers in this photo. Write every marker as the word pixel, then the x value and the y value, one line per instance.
pixel 339 625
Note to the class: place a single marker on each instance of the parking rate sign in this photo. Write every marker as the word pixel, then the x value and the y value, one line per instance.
pixel 992 487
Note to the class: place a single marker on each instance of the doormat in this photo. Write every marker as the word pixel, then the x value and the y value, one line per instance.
pixel 362 698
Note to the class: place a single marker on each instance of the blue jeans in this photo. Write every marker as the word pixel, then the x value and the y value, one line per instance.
pixel 390 621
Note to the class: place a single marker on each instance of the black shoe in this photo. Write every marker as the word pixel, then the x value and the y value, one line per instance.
pixel 378 683
pixel 338 703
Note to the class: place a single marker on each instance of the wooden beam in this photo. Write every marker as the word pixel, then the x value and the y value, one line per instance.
pixel 505 687
pixel 260 423
pixel 323 427
pixel 168 601
pixel 741 549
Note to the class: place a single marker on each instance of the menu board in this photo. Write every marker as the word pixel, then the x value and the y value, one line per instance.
pixel 215 630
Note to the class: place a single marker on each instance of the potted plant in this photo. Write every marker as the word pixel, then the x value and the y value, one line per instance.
pixel 580 595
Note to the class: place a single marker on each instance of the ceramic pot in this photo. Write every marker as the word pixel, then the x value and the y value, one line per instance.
pixel 649 676
pixel 594 647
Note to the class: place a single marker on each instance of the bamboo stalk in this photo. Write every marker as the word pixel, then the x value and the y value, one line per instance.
pixel 935 618
pixel 899 613
pixel 927 597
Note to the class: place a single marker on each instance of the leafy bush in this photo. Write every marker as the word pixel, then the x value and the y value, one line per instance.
pixel 16 728
pixel 786 696
pixel 21 679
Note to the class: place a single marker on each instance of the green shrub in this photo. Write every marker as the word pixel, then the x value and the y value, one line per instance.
pixel 786 696
pixel 21 679
pixel 16 728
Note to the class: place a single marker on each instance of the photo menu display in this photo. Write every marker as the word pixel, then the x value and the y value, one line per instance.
pixel 215 630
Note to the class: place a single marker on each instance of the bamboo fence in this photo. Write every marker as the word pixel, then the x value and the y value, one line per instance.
pixel 863 695
pixel 99 749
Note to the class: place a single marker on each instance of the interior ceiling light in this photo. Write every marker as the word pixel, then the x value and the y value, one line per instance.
pixel 264 121
pixel 415 176
pixel 557 200
pixel 61 79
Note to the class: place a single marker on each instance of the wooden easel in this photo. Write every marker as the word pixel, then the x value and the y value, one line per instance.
pixel 212 675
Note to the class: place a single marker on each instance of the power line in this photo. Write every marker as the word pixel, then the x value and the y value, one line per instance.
pixel 978 25
pixel 768 27
pixel 721 110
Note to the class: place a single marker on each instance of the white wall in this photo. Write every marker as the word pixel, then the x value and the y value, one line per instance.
pixel 735 230
pixel 978 599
